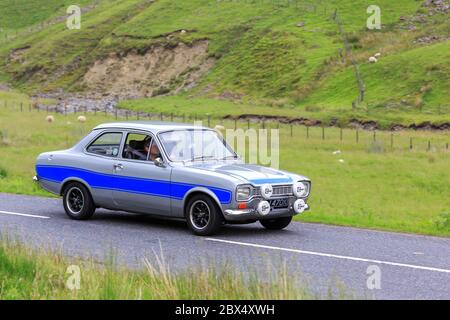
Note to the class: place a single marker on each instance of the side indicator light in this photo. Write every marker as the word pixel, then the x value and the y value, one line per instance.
pixel 242 206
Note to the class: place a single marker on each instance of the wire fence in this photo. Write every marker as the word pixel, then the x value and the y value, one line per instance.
pixel 376 140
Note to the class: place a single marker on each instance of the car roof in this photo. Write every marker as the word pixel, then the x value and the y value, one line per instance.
pixel 153 126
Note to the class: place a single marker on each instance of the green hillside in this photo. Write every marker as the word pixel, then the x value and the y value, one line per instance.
pixel 288 56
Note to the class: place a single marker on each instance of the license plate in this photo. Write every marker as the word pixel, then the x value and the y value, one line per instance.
pixel 279 203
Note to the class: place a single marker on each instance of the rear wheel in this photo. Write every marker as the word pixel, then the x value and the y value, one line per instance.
pixel 203 216
pixel 78 201
pixel 276 224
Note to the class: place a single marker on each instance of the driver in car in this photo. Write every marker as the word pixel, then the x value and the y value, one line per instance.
pixel 152 150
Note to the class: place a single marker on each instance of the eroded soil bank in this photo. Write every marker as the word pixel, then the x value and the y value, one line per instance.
pixel 162 69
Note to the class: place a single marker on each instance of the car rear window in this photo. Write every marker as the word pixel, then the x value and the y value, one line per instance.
pixel 108 144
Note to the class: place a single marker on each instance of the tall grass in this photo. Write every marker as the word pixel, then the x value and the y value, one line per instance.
pixel 41 274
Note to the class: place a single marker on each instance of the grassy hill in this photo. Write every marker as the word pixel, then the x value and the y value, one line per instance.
pixel 283 57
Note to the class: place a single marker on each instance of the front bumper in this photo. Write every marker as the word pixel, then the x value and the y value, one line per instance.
pixel 251 214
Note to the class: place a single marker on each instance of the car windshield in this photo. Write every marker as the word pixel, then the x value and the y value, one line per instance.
pixel 195 145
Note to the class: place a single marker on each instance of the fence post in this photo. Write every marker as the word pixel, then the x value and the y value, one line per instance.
pixel 264 124
pixel 137 115
pixel 410 143
pixel 248 123
pixel 341 134
pixel 357 136
pixel 235 124
pixel 21 107
pixel 171 117
pixel 161 116
pixel 115 113
pixel 209 121
pixel 307 132
pixel 323 133
pixel 292 133
pixel 126 114
pixel 429 145
pixel 374 135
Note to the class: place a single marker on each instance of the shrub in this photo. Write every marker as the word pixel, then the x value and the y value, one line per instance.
pixel 3 173
pixel 442 221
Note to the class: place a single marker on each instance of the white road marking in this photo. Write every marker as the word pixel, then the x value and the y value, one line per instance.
pixel 23 215
pixel 329 255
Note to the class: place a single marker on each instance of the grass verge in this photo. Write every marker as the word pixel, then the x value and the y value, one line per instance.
pixel 31 274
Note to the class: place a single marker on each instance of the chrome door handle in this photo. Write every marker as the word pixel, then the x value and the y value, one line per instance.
pixel 118 166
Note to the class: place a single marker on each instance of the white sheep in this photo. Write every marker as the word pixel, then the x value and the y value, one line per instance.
pixel 337 152
pixel 81 119
pixel 50 119
pixel 372 60
pixel 377 55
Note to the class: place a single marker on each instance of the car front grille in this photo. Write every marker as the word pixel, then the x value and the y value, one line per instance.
pixel 282 191
pixel 278 191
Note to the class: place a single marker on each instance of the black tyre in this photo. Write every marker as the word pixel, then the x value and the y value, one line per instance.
pixel 276 224
pixel 78 202
pixel 203 216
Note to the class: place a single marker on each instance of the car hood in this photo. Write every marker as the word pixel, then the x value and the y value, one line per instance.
pixel 248 173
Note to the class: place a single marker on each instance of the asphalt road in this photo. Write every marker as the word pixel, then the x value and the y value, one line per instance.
pixel 323 257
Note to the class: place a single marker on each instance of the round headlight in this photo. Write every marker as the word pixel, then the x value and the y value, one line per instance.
pixel 263 208
pixel 266 191
pixel 300 189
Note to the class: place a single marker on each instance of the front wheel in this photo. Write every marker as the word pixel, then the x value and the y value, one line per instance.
pixel 203 216
pixel 276 224
pixel 78 201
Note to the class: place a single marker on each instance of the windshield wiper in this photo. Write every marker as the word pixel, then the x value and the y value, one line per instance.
pixel 229 157
pixel 202 158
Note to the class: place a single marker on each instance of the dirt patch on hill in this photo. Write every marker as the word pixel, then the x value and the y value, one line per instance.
pixel 160 70
pixel 16 55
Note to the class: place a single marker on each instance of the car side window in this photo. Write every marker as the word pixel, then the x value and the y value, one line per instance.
pixel 137 147
pixel 108 144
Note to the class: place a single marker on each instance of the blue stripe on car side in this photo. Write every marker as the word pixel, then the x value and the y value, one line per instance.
pixel 96 180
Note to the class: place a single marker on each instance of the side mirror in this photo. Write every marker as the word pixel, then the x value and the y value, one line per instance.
pixel 159 162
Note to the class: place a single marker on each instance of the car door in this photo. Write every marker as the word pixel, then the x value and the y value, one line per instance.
pixel 141 186
pixel 97 165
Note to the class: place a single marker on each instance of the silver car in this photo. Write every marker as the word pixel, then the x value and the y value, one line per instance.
pixel 171 170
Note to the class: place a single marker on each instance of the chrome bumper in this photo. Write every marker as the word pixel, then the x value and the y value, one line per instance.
pixel 251 214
